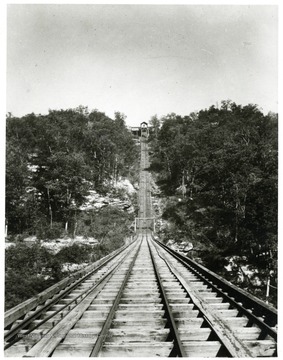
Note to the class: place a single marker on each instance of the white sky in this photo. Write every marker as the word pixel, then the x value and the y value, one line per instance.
pixel 140 59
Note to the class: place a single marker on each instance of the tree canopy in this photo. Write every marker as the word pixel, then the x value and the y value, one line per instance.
pixel 52 161
pixel 221 163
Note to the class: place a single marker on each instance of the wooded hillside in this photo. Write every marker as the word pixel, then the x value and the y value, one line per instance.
pixel 52 161
pixel 218 169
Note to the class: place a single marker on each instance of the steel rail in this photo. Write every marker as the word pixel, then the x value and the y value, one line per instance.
pixel 10 336
pixel 178 349
pixel 59 332
pixel 229 348
pixel 103 334
pixel 21 310
pixel 83 295
pixel 204 276
pixel 261 307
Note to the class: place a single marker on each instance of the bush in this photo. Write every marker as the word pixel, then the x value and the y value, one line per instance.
pixel 19 288
pixel 108 225
pixel 214 260
pixel 76 253
pixel 29 270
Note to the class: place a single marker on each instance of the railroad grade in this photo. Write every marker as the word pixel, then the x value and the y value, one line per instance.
pixel 144 300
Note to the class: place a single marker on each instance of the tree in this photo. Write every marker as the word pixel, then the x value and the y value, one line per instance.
pixel 227 160
pixel 154 122
pixel 54 160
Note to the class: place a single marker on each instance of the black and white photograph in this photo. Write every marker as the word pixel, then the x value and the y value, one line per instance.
pixel 140 179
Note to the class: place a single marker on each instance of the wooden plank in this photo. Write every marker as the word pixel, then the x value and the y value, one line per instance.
pixel 173 296
pixel 218 306
pixel 181 306
pixel 15 351
pixel 82 336
pixel 88 323
pixel 77 350
pixel 195 334
pixel 145 301
pixel 185 313
pixel 141 296
pixel 46 325
pixel 234 345
pixel 99 307
pixel 139 293
pixel 153 323
pixel 137 350
pixel 143 285
pixel 189 323
pixel 248 333
pixel 227 312
pixel 109 294
pixel 175 293
pixel 200 285
pixel 111 289
pixel 48 343
pixel 56 307
pixel 140 307
pixel 136 334
pixel 135 314
pixel 96 314
pixel 202 348
pixel 212 299
pixel 137 317
pixel 102 301
pixel 182 300
pixel 236 322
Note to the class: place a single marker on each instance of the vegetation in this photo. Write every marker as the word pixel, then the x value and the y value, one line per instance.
pixel 218 169
pixel 52 162
pixel 31 269
pixel 109 225
pixel 28 271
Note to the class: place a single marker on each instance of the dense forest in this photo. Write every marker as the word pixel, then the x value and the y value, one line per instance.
pixel 52 163
pixel 218 170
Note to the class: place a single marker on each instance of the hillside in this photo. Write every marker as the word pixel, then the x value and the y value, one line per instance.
pixel 217 172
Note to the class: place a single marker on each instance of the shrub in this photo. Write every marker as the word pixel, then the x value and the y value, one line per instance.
pixel 29 270
pixel 76 253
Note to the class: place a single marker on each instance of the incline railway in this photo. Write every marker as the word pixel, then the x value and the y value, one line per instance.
pixel 143 300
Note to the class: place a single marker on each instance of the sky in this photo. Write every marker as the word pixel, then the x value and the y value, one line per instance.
pixel 141 60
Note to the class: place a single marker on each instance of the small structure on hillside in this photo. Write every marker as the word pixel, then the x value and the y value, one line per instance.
pixel 144 129
pixel 141 131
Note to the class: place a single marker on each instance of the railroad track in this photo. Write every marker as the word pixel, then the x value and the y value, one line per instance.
pixel 144 300
pixel 244 326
